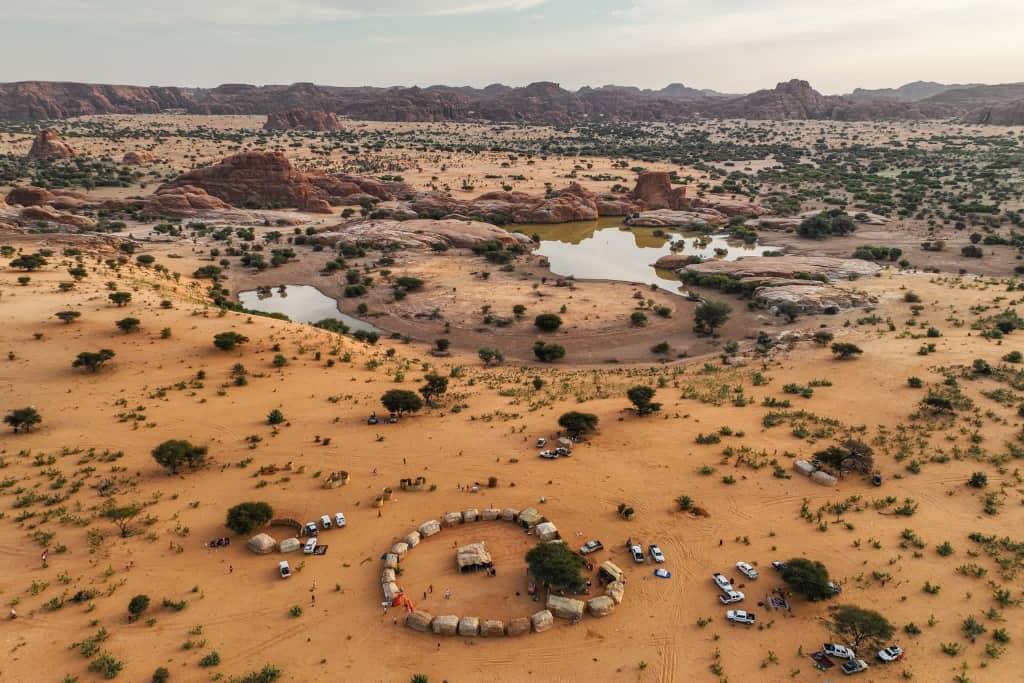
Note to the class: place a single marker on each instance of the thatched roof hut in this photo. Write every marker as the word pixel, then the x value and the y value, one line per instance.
pixel 473 557
pixel 391 591
pixel 400 549
pixel 565 608
pixel 492 628
pixel 601 606
pixel 452 518
pixel 542 621
pixel 609 572
pixel 490 514
pixel 530 517
pixel 517 626
pixel 615 590
pixel 445 625
pixel 429 528
pixel 509 514
pixel 470 515
pixel 262 544
pixel 391 561
pixel 546 531
pixel 469 626
pixel 387 576
pixel 823 478
pixel 419 620
pixel 412 539
pixel 803 467
pixel 289 545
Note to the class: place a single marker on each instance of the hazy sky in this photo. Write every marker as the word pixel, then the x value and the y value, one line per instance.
pixel 728 45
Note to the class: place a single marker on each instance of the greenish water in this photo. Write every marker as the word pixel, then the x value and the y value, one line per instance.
pixel 608 250
pixel 301 303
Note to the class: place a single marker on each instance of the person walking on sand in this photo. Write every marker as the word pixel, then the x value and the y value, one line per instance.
pixel 231 569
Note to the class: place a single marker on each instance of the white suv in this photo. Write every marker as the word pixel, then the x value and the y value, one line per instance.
pixel 747 570
pixel 730 597
pixel 838 651
pixel 738 616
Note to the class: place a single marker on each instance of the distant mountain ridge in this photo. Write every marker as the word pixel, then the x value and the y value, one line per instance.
pixel 537 103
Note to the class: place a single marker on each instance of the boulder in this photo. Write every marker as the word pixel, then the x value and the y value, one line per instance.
pixel 262 544
pixel 419 620
pixel 492 628
pixel 412 539
pixel 542 621
pixel 811 298
pixel 445 625
pixel 783 267
pixel 469 626
pixel 696 219
pixel 565 608
pixel 48 145
pixel 429 528
pixel 518 626
pixel 601 606
pixel 654 190
pixel 615 590
pixel 29 196
pixel 289 545
pixel 137 158
pixel 417 234
pixel 186 201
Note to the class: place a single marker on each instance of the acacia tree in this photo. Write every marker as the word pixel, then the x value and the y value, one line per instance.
pixel 555 565
pixel 548 353
pixel 176 453
pixel 641 396
pixel 490 356
pixel 578 424
pixel 23 419
pixel 120 298
pixel 850 455
pixel 845 350
pixel 858 625
pixel 710 315
pixel 127 325
pixel 225 341
pixel 401 401
pixel 67 316
pixel 245 517
pixel 92 360
pixel 808 578
pixel 28 262
pixel 435 386
pixel 120 516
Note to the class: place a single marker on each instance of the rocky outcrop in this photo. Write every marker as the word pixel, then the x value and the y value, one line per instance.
pixel 29 196
pixel 811 298
pixel 48 214
pixel 48 145
pixel 776 267
pixel 418 234
pixel 698 219
pixel 137 158
pixel 572 203
pixel 654 191
pixel 303 119
pixel 1003 114
pixel 268 180
pixel 41 100
pixel 187 201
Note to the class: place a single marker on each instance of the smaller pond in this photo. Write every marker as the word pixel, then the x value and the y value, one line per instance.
pixel 608 250
pixel 301 303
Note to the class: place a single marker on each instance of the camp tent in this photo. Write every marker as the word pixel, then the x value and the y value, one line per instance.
pixel 530 517
pixel 473 557
pixel 609 571
pixel 546 531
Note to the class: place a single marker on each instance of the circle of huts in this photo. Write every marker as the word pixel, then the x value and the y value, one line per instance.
pixel 474 557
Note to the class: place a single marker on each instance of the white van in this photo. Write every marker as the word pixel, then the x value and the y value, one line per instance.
pixel 310 546
pixel 284 569
pixel 325 521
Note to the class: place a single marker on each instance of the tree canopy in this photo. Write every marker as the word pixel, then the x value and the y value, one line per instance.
pixel 28 262
pixel 849 456
pixel 548 353
pixel 844 350
pixel 547 322
pixel 556 565
pixel 23 419
pixel 641 398
pixel 176 453
pixel 401 401
pixel 245 517
pixel 121 516
pixel 808 578
pixel 435 385
pixel 859 626
pixel 710 315
pixel 225 341
pixel 92 360
pixel 578 424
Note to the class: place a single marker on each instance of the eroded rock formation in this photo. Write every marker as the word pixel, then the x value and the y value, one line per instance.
pixel 49 145
pixel 303 119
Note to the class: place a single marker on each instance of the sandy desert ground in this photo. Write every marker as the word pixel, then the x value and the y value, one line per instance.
pixel 884 545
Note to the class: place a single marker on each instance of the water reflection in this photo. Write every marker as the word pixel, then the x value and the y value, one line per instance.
pixel 301 303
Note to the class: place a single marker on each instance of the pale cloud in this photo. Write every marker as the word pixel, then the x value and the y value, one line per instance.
pixel 248 12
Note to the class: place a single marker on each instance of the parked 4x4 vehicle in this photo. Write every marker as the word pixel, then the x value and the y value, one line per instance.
pixel 637 553
pixel 839 651
pixel 591 547
pixel 738 616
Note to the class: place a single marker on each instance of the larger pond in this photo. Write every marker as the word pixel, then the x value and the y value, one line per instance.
pixel 608 250
pixel 301 303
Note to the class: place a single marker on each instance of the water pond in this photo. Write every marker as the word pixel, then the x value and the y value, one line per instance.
pixel 301 303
